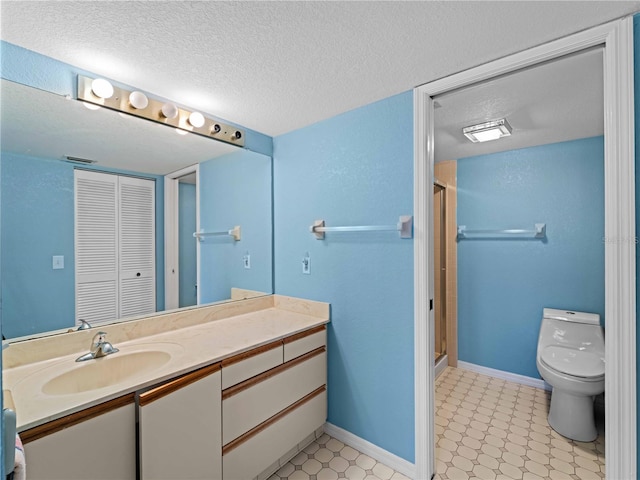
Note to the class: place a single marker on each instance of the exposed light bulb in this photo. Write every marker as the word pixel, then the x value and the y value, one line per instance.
pixel 91 106
pixel 102 88
pixel 169 110
pixel 138 100
pixel 196 119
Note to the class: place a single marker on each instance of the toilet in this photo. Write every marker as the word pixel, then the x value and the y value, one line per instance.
pixel 570 358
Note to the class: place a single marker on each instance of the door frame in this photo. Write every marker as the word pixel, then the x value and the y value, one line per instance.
pixel 171 242
pixel 620 262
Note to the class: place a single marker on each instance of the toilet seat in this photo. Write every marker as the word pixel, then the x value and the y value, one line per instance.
pixel 577 363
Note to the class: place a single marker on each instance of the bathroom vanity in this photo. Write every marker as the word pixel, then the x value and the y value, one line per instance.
pixel 220 392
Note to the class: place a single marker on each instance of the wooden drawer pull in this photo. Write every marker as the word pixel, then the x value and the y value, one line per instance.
pixel 65 422
pixel 173 385
pixel 306 333
pixel 251 353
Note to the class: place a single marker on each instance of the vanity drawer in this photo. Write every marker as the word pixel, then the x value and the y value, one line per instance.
pixel 304 342
pixel 253 402
pixel 255 451
pixel 251 363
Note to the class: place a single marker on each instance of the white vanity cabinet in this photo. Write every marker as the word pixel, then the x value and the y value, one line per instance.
pixel 265 415
pixel 230 420
pixel 98 443
pixel 179 428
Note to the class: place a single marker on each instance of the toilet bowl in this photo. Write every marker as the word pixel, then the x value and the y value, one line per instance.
pixel 570 358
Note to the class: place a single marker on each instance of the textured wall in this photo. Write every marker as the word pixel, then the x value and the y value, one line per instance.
pixel 503 285
pixel 235 189
pixel 355 169
pixel 37 222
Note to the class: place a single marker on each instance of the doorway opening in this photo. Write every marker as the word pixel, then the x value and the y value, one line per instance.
pixel 620 261
pixel 182 250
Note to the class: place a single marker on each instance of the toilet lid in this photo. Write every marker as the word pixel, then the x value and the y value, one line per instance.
pixel 573 362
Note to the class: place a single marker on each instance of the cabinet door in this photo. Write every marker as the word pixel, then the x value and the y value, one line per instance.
pixel 95 444
pixel 179 428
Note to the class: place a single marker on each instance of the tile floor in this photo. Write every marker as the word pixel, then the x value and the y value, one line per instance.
pixel 488 428
pixel 329 459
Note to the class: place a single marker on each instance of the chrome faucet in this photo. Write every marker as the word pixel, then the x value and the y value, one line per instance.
pixel 84 325
pixel 99 348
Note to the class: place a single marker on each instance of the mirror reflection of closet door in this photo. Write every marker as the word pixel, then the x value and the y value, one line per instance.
pixel 439 274
pixel 114 246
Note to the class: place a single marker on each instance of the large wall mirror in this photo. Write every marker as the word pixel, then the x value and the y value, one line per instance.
pixel 46 139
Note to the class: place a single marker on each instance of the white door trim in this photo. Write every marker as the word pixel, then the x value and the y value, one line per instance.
pixel 620 261
pixel 171 257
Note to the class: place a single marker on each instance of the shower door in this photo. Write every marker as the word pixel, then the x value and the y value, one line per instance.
pixel 439 274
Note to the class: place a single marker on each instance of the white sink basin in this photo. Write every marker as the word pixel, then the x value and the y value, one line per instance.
pixel 105 371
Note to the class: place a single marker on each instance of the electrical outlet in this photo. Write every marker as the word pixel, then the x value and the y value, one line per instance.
pixel 246 261
pixel 306 264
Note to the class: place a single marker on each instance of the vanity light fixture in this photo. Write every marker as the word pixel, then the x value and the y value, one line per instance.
pixel 487 131
pixel 169 110
pixel 101 93
pixel 102 88
pixel 91 106
pixel 196 119
pixel 138 100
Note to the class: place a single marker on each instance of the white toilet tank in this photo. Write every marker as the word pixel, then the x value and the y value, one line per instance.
pixel 570 316
pixel 578 330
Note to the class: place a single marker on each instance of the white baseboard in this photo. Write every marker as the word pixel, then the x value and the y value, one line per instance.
pixel 501 374
pixel 443 363
pixel 381 455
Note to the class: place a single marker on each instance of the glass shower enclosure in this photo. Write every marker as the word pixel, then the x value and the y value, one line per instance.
pixel 440 271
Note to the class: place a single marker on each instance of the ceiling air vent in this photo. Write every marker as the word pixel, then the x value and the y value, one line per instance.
pixel 86 161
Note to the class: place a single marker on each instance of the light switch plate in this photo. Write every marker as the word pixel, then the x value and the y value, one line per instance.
pixel 58 262
pixel 306 264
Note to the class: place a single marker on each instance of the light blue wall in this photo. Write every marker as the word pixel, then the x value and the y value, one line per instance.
pixel 37 223
pixel 235 189
pixel 187 244
pixel 30 68
pixel 503 285
pixel 355 169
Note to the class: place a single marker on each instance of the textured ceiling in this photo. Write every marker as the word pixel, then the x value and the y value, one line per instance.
pixel 278 66
pixel 553 102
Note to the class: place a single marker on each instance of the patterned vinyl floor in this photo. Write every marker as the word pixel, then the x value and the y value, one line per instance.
pixel 329 459
pixel 486 429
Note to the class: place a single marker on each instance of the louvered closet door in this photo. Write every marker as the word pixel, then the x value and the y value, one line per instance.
pixel 96 239
pixel 137 247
